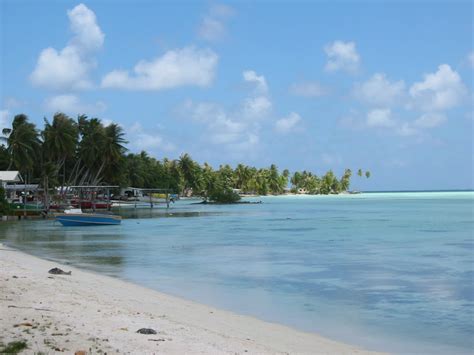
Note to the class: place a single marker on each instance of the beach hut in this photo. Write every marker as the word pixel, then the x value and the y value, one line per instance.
pixel 7 177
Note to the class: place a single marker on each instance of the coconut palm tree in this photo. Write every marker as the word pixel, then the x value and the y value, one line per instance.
pixel 60 140
pixel 23 144
pixel 190 172
pixel 346 180
pixel 113 150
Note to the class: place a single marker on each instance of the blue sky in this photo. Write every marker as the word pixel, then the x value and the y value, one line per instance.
pixel 306 85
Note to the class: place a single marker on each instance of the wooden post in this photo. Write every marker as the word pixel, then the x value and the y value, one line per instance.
pixel 24 198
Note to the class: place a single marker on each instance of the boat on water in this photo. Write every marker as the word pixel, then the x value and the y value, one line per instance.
pixel 75 217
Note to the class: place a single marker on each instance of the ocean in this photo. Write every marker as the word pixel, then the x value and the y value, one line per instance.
pixel 386 271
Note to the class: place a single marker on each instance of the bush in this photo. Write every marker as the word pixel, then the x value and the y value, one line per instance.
pixel 224 195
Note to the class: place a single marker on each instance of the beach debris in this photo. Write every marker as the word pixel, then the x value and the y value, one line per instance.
pixel 58 271
pixel 37 309
pixel 80 352
pixel 146 331
pixel 160 339
pixel 25 324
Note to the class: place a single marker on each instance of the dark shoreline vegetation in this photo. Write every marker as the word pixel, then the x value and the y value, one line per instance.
pixel 70 152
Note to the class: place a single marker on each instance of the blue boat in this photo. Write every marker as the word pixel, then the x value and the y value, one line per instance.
pixel 75 217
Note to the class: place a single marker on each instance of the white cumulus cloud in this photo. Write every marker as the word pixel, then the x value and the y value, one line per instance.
pixel 72 105
pixel 69 68
pixel 236 130
pixel 5 120
pixel 256 107
pixel 150 139
pixel 342 56
pixel 213 25
pixel 380 118
pixel 378 90
pixel 441 90
pixel 88 35
pixel 188 66
pixel 258 80
pixel 287 124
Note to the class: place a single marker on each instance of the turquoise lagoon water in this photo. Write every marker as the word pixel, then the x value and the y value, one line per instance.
pixel 387 271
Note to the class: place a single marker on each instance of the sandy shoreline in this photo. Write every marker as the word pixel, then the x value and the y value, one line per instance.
pixel 100 314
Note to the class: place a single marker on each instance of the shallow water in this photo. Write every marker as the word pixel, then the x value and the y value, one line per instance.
pixel 388 271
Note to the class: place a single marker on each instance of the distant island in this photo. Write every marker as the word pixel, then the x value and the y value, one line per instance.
pixel 69 152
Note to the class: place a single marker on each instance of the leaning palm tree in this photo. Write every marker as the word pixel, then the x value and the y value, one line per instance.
pixel 23 144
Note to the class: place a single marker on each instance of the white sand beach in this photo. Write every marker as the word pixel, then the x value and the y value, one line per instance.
pixel 99 314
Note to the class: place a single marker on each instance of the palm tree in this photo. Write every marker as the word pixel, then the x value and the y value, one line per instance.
pixel 359 172
pixel 274 181
pixel 240 176
pixel 23 144
pixel 190 172
pixel 60 140
pixel 346 180
pixel 367 174
pixel 112 154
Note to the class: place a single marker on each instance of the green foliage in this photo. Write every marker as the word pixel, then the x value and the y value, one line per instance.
pixel 13 347
pixel 223 195
pixel 85 151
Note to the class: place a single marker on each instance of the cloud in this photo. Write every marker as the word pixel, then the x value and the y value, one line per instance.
pixel 69 68
pixel 342 56
pixel 441 90
pixel 236 130
pixel 308 89
pixel 379 91
pixel 213 25
pixel 256 107
pixel 5 120
pixel 72 105
pixel 258 80
pixel 88 35
pixel 380 118
pixel 11 102
pixel 406 129
pixel 148 139
pixel 188 66
pixel 470 59
pixel 288 124
pixel 221 127
pixel 259 104
pixel 430 120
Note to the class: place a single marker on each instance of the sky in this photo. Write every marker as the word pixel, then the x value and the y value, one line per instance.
pixel 314 85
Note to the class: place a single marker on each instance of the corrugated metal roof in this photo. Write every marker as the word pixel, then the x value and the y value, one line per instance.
pixel 10 176
pixel 22 187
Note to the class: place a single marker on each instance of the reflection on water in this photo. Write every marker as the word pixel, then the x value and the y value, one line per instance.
pixel 396 266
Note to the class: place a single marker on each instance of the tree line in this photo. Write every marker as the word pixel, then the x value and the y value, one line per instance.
pixel 84 151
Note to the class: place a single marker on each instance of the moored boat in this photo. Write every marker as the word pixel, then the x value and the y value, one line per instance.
pixel 75 217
